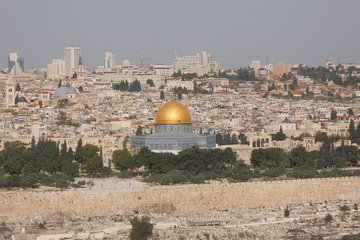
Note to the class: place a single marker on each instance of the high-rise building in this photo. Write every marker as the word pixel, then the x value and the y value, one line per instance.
pixel 109 61
pixel 56 69
pixel 280 68
pixel 255 64
pixel 72 57
pixel 15 64
pixel 201 64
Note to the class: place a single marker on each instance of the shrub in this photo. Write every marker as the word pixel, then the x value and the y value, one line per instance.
pixel 126 174
pixel 274 172
pixel 173 177
pixel 286 212
pixel 304 172
pixel 141 229
pixel 199 178
pixel 328 218
pixel 344 208
pixel 241 172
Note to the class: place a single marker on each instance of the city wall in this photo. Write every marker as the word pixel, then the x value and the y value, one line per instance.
pixel 25 205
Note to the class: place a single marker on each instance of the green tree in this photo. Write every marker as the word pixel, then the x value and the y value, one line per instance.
pixel 227 139
pixel 94 166
pixel 79 157
pixel 297 156
pixel 2 178
pixel 286 212
pixel 33 144
pixel 233 139
pixel 162 95
pixel 63 150
pixel 90 184
pixel 135 86
pixel 243 139
pixel 12 157
pixel 326 153
pixel 18 88
pixel 321 136
pixel 241 171
pixel 141 229
pixel 356 135
pixel 90 151
pixel 123 160
pixel 219 139
pixel 139 131
pixel 92 159
pixel 179 95
pixel 150 82
pixel 352 131
pixel 294 85
pixel 70 168
pixel 344 208
pixel 328 219
pixel 269 158
pixel 279 136
pixel 333 115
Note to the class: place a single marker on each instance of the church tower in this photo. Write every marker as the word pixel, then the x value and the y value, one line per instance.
pixel 80 70
pixel 10 93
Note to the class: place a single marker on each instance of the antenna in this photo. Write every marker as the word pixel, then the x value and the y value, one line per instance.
pixel 142 58
pixel 176 54
pixel 72 40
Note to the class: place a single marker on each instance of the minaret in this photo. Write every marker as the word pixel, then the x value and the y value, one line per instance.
pixel 10 93
pixel 35 127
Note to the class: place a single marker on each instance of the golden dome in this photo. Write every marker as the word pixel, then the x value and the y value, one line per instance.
pixel 173 112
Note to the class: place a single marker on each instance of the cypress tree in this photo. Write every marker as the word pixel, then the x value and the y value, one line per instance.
pixel 352 130
pixel 162 95
pixel 70 154
pixel 357 134
pixel 63 151
pixel 33 143
pixel 79 151
pixel 18 89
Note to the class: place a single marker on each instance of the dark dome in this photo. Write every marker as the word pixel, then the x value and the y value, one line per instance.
pixel 21 99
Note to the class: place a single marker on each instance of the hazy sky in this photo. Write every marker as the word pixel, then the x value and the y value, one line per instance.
pixel 234 32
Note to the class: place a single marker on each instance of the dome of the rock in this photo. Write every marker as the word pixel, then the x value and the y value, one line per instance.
pixel 173 112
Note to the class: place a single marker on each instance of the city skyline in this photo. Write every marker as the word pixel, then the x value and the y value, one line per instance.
pixel 279 31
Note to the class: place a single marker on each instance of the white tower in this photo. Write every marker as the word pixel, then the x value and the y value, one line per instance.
pixel 35 127
pixel 10 93
pixel 109 61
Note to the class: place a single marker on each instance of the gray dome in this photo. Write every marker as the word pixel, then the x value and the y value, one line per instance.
pixel 22 99
pixel 62 91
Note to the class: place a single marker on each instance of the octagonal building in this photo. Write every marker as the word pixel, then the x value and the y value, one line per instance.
pixel 173 131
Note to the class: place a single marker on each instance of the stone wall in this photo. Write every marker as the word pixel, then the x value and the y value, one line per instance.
pixel 19 206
